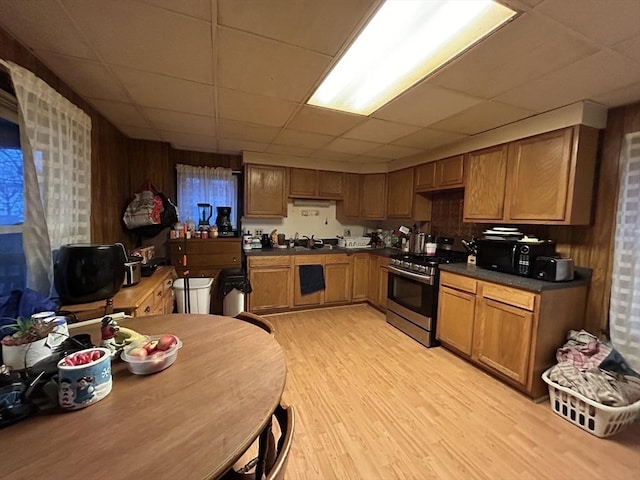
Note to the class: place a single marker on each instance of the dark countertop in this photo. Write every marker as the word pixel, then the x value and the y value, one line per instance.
pixel 383 252
pixel 582 277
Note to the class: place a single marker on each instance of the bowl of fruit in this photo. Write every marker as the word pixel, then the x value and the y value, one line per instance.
pixel 152 355
pixel 84 378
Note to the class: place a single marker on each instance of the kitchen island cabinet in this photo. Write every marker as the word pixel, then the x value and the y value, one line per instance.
pixel 512 333
pixel 547 179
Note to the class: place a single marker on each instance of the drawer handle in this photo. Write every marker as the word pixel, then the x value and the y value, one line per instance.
pixel 159 294
pixel 235 259
pixel 179 248
pixel 148 309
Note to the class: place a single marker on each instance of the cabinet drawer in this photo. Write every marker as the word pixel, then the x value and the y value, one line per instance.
pixel 338 258
pixel 213 260
pixel 509 296
pixel 308 260
pixel 280 261
pixel 147 307
pixel 206 246
pixel 459 282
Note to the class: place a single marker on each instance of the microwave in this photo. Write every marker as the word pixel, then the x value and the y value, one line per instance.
pixel 512 256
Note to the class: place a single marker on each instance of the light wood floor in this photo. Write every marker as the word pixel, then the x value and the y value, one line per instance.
pixel 374 404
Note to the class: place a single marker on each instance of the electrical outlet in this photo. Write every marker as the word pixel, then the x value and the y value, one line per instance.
pixel 347 232
pixel 258 232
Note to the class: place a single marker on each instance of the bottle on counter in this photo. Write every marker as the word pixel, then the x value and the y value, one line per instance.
pixel 247 240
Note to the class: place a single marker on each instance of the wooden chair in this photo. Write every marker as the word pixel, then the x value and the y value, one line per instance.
pixel 277 453
pixel 256 320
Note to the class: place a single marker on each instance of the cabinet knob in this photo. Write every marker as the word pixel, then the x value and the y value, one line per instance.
pixel 159 294
pixel 148 309
pixel 179 248
pixel 235 260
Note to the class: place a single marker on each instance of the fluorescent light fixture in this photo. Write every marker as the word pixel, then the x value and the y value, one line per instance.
pixel 404 42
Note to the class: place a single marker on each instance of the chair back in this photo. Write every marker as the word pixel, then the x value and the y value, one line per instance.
pixel 256 320
pixel 286 418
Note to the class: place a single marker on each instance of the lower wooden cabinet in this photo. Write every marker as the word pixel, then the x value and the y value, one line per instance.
pixel 510 332
pixel 337 278
pixel 315 298
pixel 271 283
pixel 360 277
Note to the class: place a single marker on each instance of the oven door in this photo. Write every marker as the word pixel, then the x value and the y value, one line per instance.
pixel 415 292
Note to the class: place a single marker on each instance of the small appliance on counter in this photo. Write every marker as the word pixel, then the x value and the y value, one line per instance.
pixel 553 269
pixel 516 257
pixel 206 211
pixel 223 222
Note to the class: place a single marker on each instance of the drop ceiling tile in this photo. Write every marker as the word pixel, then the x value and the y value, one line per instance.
pixel 276 69
pixel 153 90
pixel 428 139
pixel 523 50
pixel 237 146
pixel 322 120
pixel 140 133
pixel 392 152
pixel 119 113
pixel 629 48
pixel 619 97
pixel 188 141
pixel 318 26
pixel 330 155
pixel 26 20
pixel 594 19
pixel 233 129
pixel 366 159
pixel 147 38
pixel 180 121
pixel 289 150
pixel 381 131
pixel 87 78
pixel 596 75
pixel 298 138
pixel 482 117
pixel 194 8
pixel 354 147
pixel 425 104
pixel 254 108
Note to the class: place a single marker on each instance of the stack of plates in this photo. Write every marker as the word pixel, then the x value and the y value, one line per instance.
pixel 503 233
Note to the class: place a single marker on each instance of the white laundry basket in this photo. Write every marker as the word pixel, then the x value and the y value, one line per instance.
pixel 233 303
pixel 199 294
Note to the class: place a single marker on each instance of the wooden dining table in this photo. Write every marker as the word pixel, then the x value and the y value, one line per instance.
pixel 190 421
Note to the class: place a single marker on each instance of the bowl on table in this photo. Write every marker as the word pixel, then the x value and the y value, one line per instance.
pixel 160 353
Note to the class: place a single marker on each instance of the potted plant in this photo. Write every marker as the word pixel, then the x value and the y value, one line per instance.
pixel 28 343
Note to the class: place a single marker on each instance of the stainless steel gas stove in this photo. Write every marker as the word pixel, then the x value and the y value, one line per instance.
pixel 412 302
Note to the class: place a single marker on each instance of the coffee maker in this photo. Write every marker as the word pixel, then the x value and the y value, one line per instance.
pixel 223 222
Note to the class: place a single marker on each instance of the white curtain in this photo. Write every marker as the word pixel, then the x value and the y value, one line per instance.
pixel 624 311
pixel 216 186
pixel 55 136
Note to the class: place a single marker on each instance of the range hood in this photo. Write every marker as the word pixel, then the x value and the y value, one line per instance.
pixel 305 202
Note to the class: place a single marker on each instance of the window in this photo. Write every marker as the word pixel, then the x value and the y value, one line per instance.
pixel 215 186
pixel 13 267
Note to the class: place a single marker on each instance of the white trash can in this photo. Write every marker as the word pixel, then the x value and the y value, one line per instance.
pixel 199 294
pixel 233 303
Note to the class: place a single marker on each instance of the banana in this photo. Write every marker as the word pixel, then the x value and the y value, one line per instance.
pixel 124 336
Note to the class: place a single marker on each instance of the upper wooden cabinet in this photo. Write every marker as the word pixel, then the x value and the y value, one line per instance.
pixel 305 183
pixel 486 172
pixel 548 180
pixel 441 174
pixel 265 191
pixel 400 194
pixel 374 196
pixel 349 208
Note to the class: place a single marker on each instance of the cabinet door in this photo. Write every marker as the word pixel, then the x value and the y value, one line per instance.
pixel 303 183
pixel 485 184
pixel 265 191
pixel 456 312
pixel 538 173
pixel 330 184
pixel 373 293
pixel 360 276
pixel 383 284
pixel 271 288
pixel 502 339
pixel 349 207
pixel 400 194
pixel 337 277
pixel 374 196
pixel 425 177
pixel 450 172
pixel 315 298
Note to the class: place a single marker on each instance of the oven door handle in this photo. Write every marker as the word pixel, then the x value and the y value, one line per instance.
pixel 426 279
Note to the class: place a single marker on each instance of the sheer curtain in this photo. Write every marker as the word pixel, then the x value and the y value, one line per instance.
pixel 55 137
pixel 217 186
pixel 624 311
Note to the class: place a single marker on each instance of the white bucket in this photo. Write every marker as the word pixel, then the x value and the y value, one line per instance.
pixel 199 294
pixel 233 303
